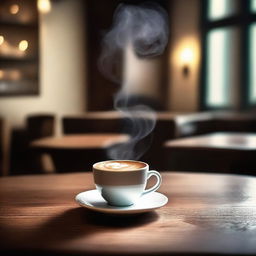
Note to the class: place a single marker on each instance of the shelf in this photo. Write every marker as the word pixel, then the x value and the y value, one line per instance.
pixel 19 70
pixel 20 25
pixel 19 60
pixel 18 88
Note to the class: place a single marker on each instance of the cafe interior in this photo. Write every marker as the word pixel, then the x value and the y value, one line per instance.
pixel 171 83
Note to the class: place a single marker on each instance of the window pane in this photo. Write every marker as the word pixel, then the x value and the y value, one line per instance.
pixel 253 5
pixel 252 64
pixel 222 67
pixel 219 9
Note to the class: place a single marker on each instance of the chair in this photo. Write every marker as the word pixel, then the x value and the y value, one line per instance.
pixel 23 159
pixel 93 122
pixel 40 126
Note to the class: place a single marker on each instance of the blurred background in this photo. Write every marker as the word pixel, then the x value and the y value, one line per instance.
pixel 50 82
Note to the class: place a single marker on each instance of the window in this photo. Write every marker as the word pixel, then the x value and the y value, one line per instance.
pixel 222 46
pixel 229 54
pixel 252 65
pixel 219 9
pixel 253 5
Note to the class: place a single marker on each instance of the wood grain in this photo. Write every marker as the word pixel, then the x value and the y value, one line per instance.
pixel 76 153
pixel 206 214
pixel 80 141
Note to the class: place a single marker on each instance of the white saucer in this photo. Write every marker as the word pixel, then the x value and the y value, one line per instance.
pixel 92 199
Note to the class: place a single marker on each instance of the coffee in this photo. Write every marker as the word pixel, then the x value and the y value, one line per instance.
pixel 116 165
pixel 123 182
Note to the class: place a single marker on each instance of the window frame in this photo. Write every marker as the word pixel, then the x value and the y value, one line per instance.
pixel 242 20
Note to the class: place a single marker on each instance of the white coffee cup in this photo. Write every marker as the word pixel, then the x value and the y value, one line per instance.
pixel 123 182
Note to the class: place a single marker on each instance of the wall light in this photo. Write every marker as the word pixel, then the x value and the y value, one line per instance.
pixel 23 45
pixel 1 40
pixel 14 9
pixel 44 6
pixel 186 59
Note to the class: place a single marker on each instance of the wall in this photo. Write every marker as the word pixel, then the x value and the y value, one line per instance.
pixel 62 66
pixel 184 32
pixel 141 76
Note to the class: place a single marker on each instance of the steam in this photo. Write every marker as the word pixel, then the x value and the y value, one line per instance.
pixel 139 121
pixel 145 29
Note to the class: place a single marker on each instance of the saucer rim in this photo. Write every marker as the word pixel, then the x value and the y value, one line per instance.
pixel 120 210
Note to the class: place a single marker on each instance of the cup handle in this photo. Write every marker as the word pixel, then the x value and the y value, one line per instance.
pixel 158 182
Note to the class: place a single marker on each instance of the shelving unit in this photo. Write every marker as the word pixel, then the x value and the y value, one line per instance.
pixel 19 53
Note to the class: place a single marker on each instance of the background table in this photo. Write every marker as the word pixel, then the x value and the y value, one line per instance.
pixel 206 213
pixel 78 152
pixel 223 152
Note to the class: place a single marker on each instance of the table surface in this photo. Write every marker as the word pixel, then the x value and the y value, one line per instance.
pixel 81 141
pixel 206 213
pixel 221 140
pixel 160 115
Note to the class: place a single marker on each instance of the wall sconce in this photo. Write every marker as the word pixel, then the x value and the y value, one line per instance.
pixel 186 60
pixel 44 6
pixel 23 45
pixel 14 9
pixel 1 39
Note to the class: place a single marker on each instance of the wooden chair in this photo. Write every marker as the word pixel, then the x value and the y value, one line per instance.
pixel 40 126
pixel 23 159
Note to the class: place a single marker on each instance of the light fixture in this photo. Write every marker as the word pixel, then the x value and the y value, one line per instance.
pixel 1 40
pixel 14 9
pixel 23 45
pixel 44 6
pixel 1 74
pixel 186 59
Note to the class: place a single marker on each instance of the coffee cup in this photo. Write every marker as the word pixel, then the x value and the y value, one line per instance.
pixel 123 182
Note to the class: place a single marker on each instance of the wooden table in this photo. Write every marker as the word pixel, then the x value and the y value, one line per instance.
pixel 78 152
pixel 224 152
pixel 116 121
pixel 206 214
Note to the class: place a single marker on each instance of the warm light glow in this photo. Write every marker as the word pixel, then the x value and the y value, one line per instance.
pixel 23 45
pixel 14 9
pixel 186 56
pixel 44 6
pixel 1 40
pixel 10 74
pixel 14 75
pixel 177 56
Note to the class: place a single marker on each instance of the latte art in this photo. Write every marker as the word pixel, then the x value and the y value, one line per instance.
pixel 119 165
pixel 115 165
